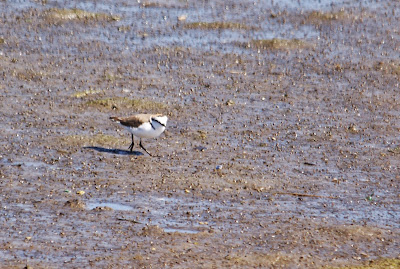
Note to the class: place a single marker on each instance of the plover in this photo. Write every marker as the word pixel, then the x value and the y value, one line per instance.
pixel 143 126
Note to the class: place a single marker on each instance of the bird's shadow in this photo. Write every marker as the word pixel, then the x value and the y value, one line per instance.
pixel 115 151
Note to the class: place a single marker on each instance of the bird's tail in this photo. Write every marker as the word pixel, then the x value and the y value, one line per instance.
pixel 116 119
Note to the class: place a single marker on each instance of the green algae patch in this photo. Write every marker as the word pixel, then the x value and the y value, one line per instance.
pixel 164 4
pixel 28 74
pixel 218 26
pixel 200 135
pixel 392 68
pixel 78 14
pixel 259 260
pixel 124 102
pixel 93 140
pixel 82 94
pixel 277 44
pixel 374 264
pixel 319 17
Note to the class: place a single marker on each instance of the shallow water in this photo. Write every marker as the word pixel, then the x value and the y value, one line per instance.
pixel 114 206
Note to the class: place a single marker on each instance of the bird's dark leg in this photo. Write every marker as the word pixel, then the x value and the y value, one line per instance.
pixel 132 144
pixel 140 144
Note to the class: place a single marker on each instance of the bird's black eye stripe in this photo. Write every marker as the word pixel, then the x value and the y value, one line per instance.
pixel 152 126
pixel 158 122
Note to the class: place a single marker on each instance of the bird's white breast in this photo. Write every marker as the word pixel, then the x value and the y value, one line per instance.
pixel 146 130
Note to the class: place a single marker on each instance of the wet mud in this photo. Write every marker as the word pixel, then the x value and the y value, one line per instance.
pixel 281 151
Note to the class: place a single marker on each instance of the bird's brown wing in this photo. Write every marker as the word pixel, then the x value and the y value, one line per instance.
pixel 134 121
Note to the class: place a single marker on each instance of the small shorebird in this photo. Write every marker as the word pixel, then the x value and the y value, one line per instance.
pixel 143 126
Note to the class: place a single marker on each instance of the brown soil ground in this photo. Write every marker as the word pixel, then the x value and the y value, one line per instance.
pixel 281 151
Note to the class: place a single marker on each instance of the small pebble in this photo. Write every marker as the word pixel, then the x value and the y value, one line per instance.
pixel 182 17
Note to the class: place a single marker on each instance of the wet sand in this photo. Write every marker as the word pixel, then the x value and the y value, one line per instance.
pixel 281 151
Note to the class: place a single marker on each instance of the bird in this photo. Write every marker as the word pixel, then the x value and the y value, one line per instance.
pixel 143 126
